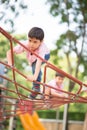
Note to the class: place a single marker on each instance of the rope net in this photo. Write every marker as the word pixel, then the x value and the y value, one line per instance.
pixel 13 96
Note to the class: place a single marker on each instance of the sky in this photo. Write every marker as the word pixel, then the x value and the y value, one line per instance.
pixel 38 15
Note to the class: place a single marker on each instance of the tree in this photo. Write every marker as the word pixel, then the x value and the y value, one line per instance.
pixel 10 10
pixel 73 14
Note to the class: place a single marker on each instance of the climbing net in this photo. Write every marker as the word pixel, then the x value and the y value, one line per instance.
pixel 14 97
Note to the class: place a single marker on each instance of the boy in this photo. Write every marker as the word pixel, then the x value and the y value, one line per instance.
pixel 35 44
pixel 56 83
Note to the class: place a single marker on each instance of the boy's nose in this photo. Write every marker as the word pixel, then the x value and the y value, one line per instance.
pixel 31 43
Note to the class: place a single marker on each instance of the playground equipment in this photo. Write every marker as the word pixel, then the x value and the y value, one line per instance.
pixel 31 122
pixel 21 101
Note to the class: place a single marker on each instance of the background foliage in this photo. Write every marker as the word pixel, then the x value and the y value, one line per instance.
pixel 70 53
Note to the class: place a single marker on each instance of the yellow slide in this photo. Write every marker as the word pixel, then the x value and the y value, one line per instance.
pixel 31 122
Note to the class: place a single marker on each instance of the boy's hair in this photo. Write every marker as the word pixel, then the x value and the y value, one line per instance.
pixel 59 74
pixel 37 33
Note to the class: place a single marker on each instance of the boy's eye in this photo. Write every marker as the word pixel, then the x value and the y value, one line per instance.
pixel 29 40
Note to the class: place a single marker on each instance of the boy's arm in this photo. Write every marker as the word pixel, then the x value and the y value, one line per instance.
pixel 47 92
pixel 9 59
pixel 55 94
pixel 37 70
pixel 17 49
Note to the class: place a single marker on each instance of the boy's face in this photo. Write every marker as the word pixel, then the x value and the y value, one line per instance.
pixel 59 80
pixel 34 43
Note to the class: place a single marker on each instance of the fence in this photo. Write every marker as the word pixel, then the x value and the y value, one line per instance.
pixel 57 124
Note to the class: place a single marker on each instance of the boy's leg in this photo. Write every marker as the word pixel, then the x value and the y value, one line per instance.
pixel 47 56
pixel 36 86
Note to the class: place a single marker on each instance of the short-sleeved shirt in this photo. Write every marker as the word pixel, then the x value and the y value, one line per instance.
pixel 55 86
pixel 41 51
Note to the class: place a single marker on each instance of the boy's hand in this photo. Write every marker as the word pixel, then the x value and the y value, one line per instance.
pixel 30 78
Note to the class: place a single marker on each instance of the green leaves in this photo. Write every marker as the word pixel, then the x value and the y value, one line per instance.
pixel 13 8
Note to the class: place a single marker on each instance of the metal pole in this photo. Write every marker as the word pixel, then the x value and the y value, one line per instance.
pixel 11 121
pixel 65 117
pixel 57 117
